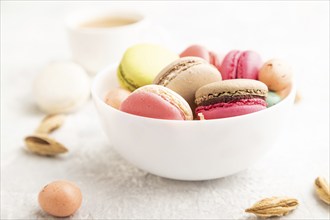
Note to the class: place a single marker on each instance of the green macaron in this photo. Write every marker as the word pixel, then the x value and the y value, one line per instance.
pixel 272 99
pixel 141 63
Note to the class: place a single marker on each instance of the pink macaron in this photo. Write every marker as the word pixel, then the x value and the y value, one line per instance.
pixel 238 64
pixel 196 51
pixel 215 59
pixel 202 52
pixel 155 101
pixel 230 98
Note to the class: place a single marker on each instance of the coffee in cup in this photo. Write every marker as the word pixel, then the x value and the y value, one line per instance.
pixel 108 22
pixel 99 39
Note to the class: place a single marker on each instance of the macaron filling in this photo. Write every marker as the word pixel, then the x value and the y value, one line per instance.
pixel 230 109
pixel 227 96
pixel 175 70
pixel 248 65
pixel 235 60
pixel 240 102
pixel 230 99
pixel 129 82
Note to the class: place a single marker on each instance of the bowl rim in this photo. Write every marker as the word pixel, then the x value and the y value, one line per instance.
pixel 111 68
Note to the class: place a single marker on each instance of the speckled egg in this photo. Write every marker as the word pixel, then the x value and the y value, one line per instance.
pixel 116 96
pixel 60 198
pixel 272 99
pixel 276 74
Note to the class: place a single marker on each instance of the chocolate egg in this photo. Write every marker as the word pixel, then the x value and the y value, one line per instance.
pixel 116 96
pixel 60 198
pixel 276 74
pixel 61 87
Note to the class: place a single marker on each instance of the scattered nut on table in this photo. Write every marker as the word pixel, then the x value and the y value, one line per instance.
pixel 274 206
pixel 40 143
pixel 322 189
pixel 50 123
pixel 44 145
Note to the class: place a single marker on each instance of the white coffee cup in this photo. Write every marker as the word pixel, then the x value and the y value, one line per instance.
pixel 96 45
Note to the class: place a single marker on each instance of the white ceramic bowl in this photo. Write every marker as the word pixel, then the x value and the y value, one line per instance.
pixel 189 150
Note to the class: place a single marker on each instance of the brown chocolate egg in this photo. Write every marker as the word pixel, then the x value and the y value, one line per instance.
pixel 276 74
pixel 60 198
pixel 116 96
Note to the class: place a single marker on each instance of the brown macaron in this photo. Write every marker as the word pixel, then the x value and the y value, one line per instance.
pixel 230 98
pixel 186 75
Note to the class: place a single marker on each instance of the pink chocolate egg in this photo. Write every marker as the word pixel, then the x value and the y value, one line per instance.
pixel 116 96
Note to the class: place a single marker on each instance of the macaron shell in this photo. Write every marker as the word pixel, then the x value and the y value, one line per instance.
pixel 175 68
pixel 215 60
pixel 233 87
pixel 154 107
pixel 171 97
pixel 141 63
pixel 196 51
pixel 156 101
pixel 249 64
pixel 230 109
pixel 189 80
pixel 125 83
pixel 229 65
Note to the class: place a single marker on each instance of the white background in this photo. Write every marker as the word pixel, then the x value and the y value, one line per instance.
pixel 33 34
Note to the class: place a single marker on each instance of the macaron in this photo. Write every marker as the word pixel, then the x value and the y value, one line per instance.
pixel 141 63
pixel 230 98
pixel 216 59
pixel 272 99
pixel 276 74
pixel 61 87
pixel 202 52
pixel 155 101
pixel 238 64
pixel 196 51
pixel 186 75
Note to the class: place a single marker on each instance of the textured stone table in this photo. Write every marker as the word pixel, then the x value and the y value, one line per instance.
pixel 32 34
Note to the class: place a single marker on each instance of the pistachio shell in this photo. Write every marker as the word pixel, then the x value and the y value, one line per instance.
pixel 322 189
pixel 274 206
pixel 50 123
pixel 44 145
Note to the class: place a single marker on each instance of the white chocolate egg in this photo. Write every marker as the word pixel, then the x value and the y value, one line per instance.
pixel 61 87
